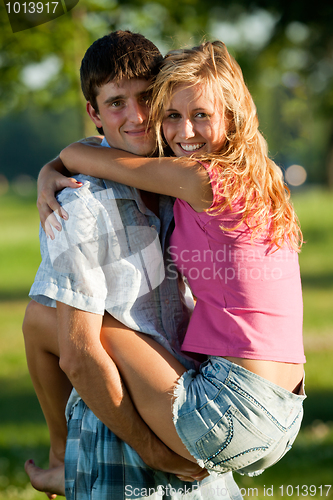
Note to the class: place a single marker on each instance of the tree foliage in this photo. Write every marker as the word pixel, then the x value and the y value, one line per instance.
pixel 284 47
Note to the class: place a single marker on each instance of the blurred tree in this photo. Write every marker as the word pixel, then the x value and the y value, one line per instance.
pixel 303 41
pixel 39 67
pixel 284 47
pixel 30 138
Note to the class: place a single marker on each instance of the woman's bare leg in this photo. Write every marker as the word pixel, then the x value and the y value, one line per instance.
pixel 51 384
pixel 150 374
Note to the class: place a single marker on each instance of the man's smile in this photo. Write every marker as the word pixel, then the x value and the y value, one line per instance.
pixel 138 132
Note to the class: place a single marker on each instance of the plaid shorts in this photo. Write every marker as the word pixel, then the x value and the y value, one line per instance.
pixel 99 466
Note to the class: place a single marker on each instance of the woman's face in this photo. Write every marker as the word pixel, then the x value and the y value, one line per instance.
pixel 194 121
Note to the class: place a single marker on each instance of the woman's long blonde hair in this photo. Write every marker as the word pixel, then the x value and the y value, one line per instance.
pixel 246 171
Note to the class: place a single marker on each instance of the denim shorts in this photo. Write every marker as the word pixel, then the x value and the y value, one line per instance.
pixel 231 419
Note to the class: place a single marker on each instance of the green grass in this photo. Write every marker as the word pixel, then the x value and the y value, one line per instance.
pixel 314 209
pixel 19 246
pixel 23 433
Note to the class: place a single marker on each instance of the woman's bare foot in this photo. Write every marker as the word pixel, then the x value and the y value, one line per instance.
pixel 51 481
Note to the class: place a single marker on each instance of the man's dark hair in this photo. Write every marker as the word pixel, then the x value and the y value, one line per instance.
pixel 121 54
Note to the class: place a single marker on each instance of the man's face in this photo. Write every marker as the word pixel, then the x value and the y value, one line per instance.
pixel 123 110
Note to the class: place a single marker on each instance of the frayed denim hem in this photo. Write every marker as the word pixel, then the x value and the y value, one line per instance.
pixel 178 393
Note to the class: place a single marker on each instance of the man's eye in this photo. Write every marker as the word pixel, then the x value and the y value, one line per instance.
pixel 146 98
pixel 116 104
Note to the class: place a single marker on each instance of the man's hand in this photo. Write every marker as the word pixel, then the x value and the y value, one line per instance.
pixel 159 457
pixel 50 180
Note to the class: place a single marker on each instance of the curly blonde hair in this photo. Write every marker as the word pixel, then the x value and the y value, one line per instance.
pixel 245 171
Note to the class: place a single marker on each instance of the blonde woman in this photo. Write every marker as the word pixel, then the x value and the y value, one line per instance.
pixel 236 239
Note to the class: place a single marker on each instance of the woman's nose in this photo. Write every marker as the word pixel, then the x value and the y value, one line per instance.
pixel 187 130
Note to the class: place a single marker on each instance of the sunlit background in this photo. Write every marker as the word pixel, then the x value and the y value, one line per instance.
pixel 284 48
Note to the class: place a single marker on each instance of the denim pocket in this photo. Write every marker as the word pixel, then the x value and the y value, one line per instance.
pixel 232 443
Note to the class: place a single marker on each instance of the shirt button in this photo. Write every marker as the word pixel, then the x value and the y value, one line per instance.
pixel 167 301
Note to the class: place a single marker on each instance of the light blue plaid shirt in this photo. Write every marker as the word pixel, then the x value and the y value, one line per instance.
pixel 112 255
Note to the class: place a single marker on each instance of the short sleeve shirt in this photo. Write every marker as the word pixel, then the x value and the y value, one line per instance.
pixel 111 255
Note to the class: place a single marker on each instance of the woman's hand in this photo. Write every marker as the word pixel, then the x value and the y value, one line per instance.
pixel 51 180
pixel 53 177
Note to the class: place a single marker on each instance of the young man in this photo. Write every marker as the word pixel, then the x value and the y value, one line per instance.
pixel 111 255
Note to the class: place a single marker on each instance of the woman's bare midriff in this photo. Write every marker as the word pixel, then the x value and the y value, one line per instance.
pixel 286 375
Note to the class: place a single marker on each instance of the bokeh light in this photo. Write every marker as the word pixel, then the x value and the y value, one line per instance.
pixel 24 185
pixel 295 175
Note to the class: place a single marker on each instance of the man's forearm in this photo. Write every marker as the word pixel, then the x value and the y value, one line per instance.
pixel 96 378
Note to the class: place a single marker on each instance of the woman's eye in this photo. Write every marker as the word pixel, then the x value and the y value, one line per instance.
pixel 173 116
pixel 202 115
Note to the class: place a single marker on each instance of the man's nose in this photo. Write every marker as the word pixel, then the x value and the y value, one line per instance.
pixel 137 113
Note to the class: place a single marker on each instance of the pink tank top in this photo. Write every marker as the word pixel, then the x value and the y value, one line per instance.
pixel 249 300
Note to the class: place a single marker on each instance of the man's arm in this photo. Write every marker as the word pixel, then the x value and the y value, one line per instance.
pixel 96 378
